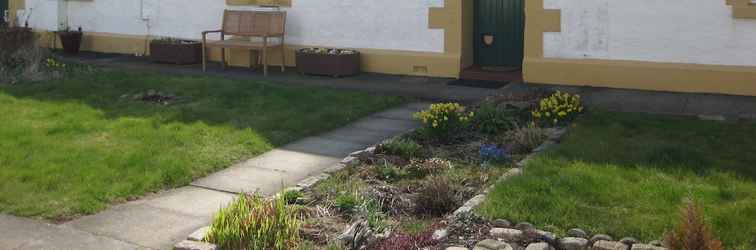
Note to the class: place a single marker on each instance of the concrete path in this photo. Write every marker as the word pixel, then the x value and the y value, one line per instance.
pixel 159 221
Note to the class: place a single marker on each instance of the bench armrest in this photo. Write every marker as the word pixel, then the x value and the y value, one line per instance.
pixel 211 31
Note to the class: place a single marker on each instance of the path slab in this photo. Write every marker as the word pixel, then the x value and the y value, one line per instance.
pixel 324 147
pixel 403 113
pixel 140 224
pixel 385 124
pixel 250 180
pixel 357 135
pixel 22 233
pixel 192 201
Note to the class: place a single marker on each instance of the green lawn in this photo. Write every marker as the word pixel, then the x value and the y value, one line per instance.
pixel 627 175
pixel 70 147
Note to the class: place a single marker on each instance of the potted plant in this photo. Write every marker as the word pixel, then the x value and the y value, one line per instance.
pixel 176 51
pixel 71 39
pixel 327 61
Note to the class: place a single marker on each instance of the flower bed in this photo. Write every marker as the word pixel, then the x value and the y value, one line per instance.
pixel 417 190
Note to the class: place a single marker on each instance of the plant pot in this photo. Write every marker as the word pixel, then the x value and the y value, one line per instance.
pixel 12 39
pixel 335 65
pixel 71 41
pixel 176 52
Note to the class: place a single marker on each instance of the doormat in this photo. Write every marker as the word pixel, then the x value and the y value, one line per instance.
pixel 500 68
pixel 478 83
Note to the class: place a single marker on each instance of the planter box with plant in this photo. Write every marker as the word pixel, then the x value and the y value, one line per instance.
pixel 176 51
pixel 330 62
pixel 14 38
pixel 71 40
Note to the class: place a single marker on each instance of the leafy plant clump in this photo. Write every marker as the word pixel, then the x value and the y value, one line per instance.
pixel 526 138
pixel 491 120
pixel 692 232
pixel 438 195
pixel 558 109
pixel 403 147
pixel 252 222
pixel 443 120
pixel 346 202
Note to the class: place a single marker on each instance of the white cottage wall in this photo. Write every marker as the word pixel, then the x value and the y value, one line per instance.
pixel 385 24
pixel 673 31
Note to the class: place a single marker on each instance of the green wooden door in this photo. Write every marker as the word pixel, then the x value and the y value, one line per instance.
pixel 499 32
pixel 3 8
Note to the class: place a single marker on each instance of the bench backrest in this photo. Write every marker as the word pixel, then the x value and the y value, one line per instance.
pixel 254 23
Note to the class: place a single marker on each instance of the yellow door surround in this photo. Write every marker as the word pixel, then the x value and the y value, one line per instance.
pixel 742 8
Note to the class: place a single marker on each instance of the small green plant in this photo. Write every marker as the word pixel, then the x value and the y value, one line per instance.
pixel 422 168
pixel 372 212
pixel 346 202
pixel 442 120
pixel 291 196
pixel 388 172
pixel 438 196
pixel 692 232
pixel 252 222
pixel 526 138
pixel 491 120
pixel 557 109
pixel 403 147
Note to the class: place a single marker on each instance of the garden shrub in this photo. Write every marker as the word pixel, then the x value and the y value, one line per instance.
pixel 253 222
pixel 422 168
pixel 526 138
pixel 438 196
pixel 291 196
pixel 405 148
pixel 692 232
pixel 491 120
pixel 346 202
pixel 388 172
pixel 443 120
pixel 558 109
pixel 372 211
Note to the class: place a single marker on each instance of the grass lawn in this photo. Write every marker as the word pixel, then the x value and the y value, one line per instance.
pixel 627 175
pixel 70 147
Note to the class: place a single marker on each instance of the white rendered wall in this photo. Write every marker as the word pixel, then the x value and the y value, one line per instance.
pixel 373 24
pixel 675 31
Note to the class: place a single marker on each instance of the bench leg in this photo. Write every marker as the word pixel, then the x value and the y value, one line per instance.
pixel 283 59
pixel 223 58
pixel 265 61
pixel 204 58
pixel 251 59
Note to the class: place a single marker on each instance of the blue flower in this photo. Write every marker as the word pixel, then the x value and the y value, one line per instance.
pixel 490 153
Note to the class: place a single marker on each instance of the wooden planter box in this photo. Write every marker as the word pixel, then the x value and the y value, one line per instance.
pixel 176 52
pixel 335 65
pixel 71 41
pixel 12 39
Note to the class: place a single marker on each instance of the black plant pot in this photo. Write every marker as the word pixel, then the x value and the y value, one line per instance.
pixel 71 41
pixel 183 52
pixel 329 65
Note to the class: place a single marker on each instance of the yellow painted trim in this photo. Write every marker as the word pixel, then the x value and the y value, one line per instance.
pixel 678 77
pixel 743 9
pixel 373 60
pixel 13 6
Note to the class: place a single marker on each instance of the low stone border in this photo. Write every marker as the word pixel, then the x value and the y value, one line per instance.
pixel 506 236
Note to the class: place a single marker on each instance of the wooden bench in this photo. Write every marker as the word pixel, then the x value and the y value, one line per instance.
pixel 248 25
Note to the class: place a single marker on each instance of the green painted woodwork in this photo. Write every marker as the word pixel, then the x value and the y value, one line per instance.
pixel 504 21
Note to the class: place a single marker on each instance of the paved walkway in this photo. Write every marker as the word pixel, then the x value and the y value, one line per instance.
pixel 159 221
